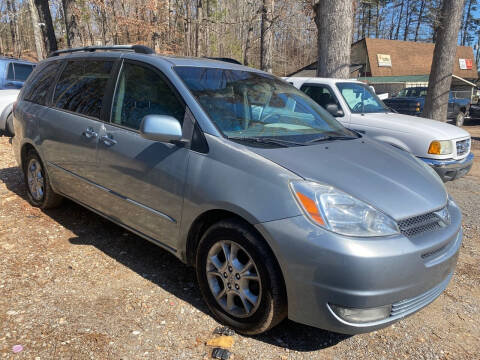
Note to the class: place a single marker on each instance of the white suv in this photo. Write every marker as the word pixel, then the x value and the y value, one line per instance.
pixel 444 147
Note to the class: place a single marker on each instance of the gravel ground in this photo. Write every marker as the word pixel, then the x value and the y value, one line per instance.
pixel 75 286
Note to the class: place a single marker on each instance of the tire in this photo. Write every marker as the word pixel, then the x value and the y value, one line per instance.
pixel 266 303
pixel 9 125
pixel 37 178
pixel 460 119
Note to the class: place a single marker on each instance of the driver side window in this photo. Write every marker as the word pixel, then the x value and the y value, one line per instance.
pixel 140 92
pixel 321 94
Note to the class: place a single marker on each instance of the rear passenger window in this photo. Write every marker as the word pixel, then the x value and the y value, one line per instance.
pixel 37 88
pixel 140 92
pixel 81 87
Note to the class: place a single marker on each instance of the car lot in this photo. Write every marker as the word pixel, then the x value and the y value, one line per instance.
pixel 75 285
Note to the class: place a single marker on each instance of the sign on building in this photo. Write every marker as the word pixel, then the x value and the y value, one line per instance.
pixel 384 60
pixel 465 64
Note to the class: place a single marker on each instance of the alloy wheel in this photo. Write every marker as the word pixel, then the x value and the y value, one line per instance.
pixel 233 279
pixel 35 179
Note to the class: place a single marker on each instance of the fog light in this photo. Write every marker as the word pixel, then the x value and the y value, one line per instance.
pixel 365 315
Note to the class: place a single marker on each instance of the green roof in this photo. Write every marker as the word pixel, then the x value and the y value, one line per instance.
pixel 395 79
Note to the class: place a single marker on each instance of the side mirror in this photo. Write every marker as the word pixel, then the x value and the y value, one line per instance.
pixel 162 128
pixel 334 110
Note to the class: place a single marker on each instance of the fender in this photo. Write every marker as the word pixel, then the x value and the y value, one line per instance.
pixel 393 141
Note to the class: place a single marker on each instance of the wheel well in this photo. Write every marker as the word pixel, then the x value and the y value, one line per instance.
pixel 25 150
pixel 202 223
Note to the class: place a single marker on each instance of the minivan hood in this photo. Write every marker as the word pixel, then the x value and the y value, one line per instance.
pixel 437 130
pixel 387 178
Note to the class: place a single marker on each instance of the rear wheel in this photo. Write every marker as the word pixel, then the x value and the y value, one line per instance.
pixel 39 191
pixel 460 119
pixel 240 279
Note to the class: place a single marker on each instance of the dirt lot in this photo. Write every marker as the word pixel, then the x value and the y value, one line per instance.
pixel 75 286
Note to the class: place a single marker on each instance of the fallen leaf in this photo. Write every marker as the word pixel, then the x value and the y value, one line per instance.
pixel 225 342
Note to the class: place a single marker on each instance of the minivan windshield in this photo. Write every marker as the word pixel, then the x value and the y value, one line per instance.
pixel 360 98
pixel 247 105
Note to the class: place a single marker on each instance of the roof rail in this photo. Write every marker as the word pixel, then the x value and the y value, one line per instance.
pixel 141 49
pixel 229 60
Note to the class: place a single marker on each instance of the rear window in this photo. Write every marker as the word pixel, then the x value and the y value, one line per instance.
pixel 38 86
pixel 81 87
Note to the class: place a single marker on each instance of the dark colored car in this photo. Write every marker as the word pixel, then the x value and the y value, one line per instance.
pixel 474 111
pixel 410 101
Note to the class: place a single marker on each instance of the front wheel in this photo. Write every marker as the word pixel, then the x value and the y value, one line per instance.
pixel 240 279
pixel 460 119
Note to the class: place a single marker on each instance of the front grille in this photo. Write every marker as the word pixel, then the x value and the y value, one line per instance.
pixel 408 306
pixel 463 147
pixel 417 225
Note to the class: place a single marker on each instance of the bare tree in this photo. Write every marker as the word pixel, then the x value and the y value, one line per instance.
pixel 419 19
pixel 444 54
pixel 266 36
pixel 37 31
pixel 71 23
pixel 334 19
pixel 46 24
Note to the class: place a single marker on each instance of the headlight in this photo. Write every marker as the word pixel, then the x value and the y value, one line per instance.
pixel 440 147
pixel 341 213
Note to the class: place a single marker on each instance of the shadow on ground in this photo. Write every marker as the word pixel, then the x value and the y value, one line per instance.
pixel 159 266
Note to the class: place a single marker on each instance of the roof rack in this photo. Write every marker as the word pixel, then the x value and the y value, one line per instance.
pixel 141 49
pixel 229 60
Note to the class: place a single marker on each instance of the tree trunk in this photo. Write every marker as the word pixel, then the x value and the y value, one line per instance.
pixel 198 30
pixel 71 23
pixel 334 19
pixel 37 31
pixel 247 44
pixel 444 55
pixel 12 14
pixel 45 19
pixel 266 36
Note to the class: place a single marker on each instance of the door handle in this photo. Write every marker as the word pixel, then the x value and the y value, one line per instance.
pixel 108 140
pixel 89 133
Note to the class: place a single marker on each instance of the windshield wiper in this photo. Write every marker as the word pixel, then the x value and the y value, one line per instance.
pixel 267 140
pixel 331 137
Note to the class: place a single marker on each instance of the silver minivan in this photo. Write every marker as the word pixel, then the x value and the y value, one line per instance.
pixel 282 210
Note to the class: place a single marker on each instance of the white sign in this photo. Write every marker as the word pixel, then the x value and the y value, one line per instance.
pixel 384 60
pixel 463 64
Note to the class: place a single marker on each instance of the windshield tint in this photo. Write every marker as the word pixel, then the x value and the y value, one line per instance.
pixel 245 104
pixel 413 92
pixel 360 98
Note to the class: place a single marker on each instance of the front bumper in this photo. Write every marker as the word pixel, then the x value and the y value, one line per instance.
pixel 322 268
pixel 451 169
